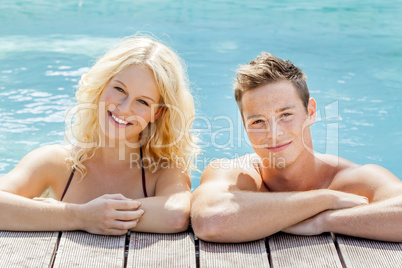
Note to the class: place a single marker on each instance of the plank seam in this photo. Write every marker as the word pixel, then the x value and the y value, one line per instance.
pixel 268 250
pixel 338 250
pixel 126 248
pixel 197 251
pixel 56 248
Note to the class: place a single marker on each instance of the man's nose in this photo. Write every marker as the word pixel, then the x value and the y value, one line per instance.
pixel 274 130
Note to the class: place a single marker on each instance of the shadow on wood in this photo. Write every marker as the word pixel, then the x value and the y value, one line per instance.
pixel 303 251
pixel 250 254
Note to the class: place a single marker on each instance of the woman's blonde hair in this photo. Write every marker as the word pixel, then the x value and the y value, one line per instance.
pixel 168 139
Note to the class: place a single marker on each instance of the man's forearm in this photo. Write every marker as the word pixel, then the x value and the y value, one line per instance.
pixel 380 221
pixel 246 216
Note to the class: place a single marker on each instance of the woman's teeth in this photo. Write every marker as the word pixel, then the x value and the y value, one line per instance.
pixel 118 120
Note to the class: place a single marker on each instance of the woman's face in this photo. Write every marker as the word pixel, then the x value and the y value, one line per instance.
pixel 128 103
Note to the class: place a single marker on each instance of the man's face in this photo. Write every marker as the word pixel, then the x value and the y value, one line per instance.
pixel 277 123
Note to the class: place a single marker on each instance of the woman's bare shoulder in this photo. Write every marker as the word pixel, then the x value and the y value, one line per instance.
pixel 171 178
pixel 37 171
pixel 46 161
pixel 171 170
pixel 49 155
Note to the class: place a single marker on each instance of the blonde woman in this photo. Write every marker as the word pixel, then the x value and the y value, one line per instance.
pixel 128 158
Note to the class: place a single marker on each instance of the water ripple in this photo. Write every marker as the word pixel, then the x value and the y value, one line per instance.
pixel 78 72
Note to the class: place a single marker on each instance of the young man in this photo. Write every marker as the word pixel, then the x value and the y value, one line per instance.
pixel 285 186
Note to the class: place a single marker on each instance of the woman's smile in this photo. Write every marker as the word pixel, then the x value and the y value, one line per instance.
pixel 118 122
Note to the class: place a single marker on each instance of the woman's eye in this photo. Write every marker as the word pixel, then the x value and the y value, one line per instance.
pixel 120 89
pixel 143 102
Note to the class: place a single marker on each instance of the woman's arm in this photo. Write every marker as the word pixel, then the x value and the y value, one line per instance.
pixel 109 214
pixel 169 210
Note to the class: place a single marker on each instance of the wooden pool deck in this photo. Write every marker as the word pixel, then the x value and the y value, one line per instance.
pixel 80 249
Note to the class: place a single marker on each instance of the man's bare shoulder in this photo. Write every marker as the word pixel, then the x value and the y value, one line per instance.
pixel 335 162
pixel 372 181
pixel 243 163
pixel 244 172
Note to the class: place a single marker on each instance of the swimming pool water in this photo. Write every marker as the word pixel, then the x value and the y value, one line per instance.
pixel 351 52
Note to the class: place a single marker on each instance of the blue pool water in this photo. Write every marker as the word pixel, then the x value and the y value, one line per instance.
pixel 350 50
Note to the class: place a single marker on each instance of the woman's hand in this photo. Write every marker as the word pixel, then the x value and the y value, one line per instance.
pixel 111 214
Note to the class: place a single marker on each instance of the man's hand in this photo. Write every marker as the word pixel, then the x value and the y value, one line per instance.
pixel 316 224
pixel 111 214
pixel 311 226
pixel 347 200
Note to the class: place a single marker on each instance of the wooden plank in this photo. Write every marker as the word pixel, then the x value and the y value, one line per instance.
pixel 359 252
pixel 81 249
pixel 303 251
pixel 27 249
pixel 250 254
pixel 161 250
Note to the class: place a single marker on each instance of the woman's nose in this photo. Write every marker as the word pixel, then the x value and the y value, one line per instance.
pixel 125 107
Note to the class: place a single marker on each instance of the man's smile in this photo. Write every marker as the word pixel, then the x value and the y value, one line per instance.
pixel 280 147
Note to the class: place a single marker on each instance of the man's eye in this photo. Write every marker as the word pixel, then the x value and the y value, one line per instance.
pixel 286 114
pixel 257 122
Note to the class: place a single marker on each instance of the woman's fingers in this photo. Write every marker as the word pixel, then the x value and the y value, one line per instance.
pixel 126 204
pixel 119 202
pixel 110 215
pixel 120 227
pixel 125 225
pixel 128 215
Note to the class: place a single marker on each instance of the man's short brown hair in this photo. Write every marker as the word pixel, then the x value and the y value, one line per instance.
pixel 265 69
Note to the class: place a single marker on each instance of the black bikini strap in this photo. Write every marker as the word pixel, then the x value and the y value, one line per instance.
pixel 144 187
pixel 68 184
